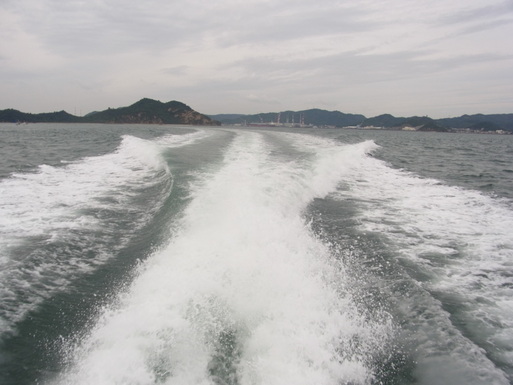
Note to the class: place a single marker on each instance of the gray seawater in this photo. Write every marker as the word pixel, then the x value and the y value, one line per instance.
pixel 192 255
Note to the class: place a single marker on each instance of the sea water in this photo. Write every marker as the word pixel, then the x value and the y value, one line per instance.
pixel 192 255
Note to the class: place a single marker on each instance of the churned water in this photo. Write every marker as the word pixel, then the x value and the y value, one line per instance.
pixel 189 255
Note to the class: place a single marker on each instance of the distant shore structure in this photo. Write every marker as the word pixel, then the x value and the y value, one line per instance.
pixel 289 122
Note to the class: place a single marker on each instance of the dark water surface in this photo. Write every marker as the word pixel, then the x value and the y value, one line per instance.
pixel 185 255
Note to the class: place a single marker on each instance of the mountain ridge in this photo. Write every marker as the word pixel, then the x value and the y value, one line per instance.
pixel 318 117
pixel 144 111
pixel 149 111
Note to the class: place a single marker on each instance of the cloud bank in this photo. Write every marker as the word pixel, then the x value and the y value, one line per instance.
pixel 425 57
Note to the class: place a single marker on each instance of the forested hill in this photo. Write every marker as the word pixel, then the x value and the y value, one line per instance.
pixel 12 116
pixel 146 111
pixel 151 111
pixel 313 116
pixel 481 121
pixel 419 123
pixel 320 118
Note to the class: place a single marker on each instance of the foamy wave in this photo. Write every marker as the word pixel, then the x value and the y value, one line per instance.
pixel 244 293
pixel 75 206
pixel 458 240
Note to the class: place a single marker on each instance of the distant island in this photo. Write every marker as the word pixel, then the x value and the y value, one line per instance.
pixel 479 123
pixel 145 111
pixel 149 111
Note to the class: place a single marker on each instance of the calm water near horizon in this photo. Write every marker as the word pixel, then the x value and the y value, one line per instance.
pixel 142 254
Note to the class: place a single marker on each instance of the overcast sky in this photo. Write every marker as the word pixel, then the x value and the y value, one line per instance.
pixel 440 58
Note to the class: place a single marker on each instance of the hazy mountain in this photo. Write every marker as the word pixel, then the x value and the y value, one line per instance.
pixel 487 122
pixel 144 111
pixel 174 112
pixel 151 112
pixel 385 120
pixel 13 116
pixel 423 123
pixel 316 117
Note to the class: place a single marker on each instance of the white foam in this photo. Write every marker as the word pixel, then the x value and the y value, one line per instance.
pixel 243 268
pixel 460 239
pixel 39 203
pixel 68 204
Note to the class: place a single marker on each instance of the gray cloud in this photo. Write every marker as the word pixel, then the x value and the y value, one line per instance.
pixel 493 11
pixel 245 53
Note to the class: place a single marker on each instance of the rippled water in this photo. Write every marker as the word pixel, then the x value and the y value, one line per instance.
pixel 167 254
